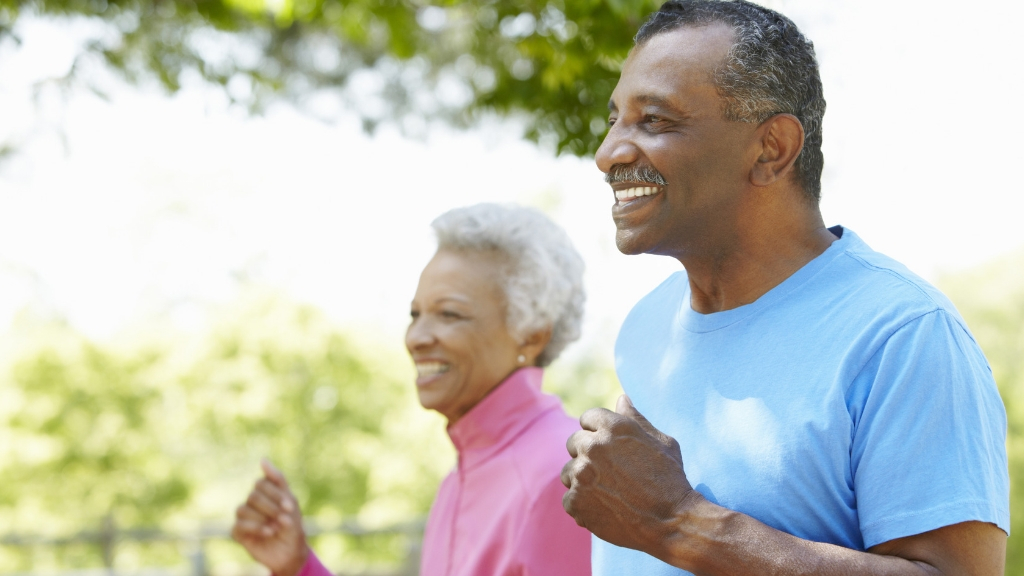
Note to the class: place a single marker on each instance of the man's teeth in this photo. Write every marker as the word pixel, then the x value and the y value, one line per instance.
pixel 635 192
pixel 432 368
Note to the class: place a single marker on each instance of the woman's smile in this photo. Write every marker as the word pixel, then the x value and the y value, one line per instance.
pixel 428 370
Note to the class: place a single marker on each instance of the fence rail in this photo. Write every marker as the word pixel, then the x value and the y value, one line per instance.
pixel 109 536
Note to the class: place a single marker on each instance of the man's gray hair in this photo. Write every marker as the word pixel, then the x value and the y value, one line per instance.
pixel 543 278
pixel 770 69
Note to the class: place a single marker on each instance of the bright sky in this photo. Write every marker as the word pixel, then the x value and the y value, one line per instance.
pixel 117 212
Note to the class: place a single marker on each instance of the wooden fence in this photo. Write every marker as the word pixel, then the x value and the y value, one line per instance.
pixel 108 537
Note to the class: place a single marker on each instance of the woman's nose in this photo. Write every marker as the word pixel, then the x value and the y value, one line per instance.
pixel 617 148
pixel 418 335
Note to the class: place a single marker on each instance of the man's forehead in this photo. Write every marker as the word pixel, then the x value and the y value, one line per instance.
pixel 688 53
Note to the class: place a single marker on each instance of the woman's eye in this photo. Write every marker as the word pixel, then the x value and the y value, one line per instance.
pixel 451 315
pixel 414 314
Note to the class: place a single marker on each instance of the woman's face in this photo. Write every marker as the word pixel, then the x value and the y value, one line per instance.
pixel 458 337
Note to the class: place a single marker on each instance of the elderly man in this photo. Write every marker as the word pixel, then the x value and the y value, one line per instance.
pixel 797 403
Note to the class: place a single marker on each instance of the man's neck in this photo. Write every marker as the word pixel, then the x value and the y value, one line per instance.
pixel 758 258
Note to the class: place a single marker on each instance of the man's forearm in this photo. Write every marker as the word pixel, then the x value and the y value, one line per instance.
pixel 710 540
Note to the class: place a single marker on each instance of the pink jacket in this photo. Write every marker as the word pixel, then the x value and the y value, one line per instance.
pixel 499 513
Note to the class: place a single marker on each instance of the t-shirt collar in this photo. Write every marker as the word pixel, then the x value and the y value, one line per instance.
pixel 697 322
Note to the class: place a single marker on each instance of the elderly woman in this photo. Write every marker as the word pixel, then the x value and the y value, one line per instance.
pixel 501 299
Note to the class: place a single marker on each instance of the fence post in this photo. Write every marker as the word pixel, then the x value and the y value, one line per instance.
pixel 108 536
pixel 198 557
pixel 413 546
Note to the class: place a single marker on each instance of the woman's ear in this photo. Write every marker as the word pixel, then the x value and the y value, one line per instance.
pixel 781 143
pixel 533 345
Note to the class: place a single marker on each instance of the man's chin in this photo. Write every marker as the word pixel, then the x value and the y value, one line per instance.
pixel 629 243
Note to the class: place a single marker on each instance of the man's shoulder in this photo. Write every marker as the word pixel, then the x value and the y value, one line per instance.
pixel 868 279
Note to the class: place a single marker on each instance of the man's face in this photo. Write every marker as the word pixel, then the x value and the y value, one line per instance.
pixel 666 120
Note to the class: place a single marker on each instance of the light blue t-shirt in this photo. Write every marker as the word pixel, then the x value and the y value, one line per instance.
pixel 848 405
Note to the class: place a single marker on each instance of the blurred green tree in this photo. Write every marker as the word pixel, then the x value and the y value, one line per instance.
pixel 87 442
pixel 550 62
pixel 169 434
pixel 991 300
pixel 93 412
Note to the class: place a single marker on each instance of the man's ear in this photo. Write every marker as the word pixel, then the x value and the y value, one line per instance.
pixel 782 139
pixel 534 344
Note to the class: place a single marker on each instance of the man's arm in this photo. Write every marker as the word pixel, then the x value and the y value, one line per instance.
pixel 627 486
pixel 719 541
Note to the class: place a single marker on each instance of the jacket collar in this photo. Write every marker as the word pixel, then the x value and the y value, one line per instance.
pixel 501 416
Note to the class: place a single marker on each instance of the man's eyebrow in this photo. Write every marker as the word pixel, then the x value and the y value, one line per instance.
pixel 652 100
pixel 645 100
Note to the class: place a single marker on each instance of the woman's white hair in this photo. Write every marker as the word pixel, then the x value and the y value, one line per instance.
pixel 543 279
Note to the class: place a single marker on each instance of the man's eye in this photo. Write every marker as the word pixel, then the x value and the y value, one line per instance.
pixel 611 122
pixel 450 314
pixel 414 314
pixel 652 119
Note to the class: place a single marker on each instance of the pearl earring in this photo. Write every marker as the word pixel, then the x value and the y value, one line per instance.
pixel 521 358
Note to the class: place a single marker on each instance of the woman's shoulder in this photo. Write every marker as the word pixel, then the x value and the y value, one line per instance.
pixel 539 453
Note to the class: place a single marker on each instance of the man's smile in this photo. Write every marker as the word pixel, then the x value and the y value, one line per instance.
pixel 628 194
pixel 634 181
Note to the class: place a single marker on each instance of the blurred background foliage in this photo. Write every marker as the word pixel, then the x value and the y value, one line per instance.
pixel 552 63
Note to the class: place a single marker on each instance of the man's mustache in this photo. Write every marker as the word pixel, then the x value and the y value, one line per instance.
pixel 640 173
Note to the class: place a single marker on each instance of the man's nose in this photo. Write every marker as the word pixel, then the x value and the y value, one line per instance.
pixel 617 148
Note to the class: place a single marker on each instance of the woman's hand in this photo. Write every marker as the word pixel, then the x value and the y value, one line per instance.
pixel 269 524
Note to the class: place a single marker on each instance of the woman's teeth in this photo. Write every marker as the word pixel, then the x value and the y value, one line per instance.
pixel 431 368
pixel 628 193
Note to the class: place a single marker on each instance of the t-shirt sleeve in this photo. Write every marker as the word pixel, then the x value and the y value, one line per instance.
pixel 551 543
pixel 929 434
